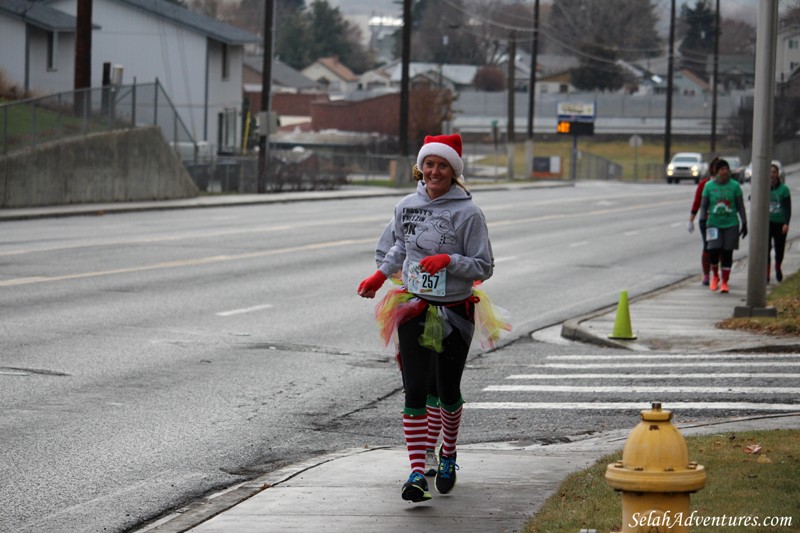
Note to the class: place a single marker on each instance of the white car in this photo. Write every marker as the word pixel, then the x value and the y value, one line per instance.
pixel 687 166
pixel 748 172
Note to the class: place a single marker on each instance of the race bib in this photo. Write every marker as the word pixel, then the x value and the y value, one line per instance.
pixel 420 282
pixel 774 207
pixel 712 234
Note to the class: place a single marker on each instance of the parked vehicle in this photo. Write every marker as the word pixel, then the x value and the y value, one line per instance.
pixel 748 172
pixel 687 166
pixel 737 168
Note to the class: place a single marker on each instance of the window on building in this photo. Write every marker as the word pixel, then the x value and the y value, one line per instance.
pixel 52 41
pixel 226 67
pixel 226 132
pixel 793 44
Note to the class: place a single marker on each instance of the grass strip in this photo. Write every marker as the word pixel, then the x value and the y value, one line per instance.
pixel 785 298
pixel 740 484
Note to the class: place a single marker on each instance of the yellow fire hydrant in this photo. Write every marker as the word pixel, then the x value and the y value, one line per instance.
pixel 655 476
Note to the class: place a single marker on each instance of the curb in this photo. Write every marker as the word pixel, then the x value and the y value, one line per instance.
pixel 101 209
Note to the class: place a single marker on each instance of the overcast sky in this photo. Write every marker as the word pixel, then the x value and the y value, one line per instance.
pixel 743 9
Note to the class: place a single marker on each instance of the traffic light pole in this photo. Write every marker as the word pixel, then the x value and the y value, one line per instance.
pixel 573 171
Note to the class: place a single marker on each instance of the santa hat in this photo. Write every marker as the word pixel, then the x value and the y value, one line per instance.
pixel 446 146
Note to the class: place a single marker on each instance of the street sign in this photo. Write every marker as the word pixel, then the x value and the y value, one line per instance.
pixel 575 118
pixel 635 141
pixel 583 111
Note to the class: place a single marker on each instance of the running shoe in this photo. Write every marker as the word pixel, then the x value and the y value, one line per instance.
pixel 446 475
pixel 705 280
pixel 778 275
pixel 431 463
pixel 724 287
pixel 714 283
pixel 416 488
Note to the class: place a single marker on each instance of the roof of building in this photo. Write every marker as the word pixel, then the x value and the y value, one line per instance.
pixel 219 31
pixel 458 74
pixel 337 68
pixel 39 15
pixel 282 74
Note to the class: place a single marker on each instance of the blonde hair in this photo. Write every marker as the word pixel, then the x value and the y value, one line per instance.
pixel 416 173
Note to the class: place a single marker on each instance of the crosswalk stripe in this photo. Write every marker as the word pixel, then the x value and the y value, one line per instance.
pixel 680 368
pixel 736 375
pixel 670 357
pixel 782 364
pixel 601 406
pixel 637 389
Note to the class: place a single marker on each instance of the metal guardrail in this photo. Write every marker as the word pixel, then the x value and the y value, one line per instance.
pixel 31 122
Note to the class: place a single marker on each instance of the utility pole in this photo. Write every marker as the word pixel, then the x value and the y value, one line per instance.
pixel 404 88
pixel 670 68
pixel 512 63
pixel 763 108
pixel 83 55
pixel 532 94
pixel 715 85
pixel 265 121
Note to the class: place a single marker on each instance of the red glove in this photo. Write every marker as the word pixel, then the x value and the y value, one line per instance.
pixel 434 263
pixel 370 286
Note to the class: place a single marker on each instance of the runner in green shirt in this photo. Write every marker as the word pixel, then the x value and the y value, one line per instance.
pixel 780 211
pixel 723 203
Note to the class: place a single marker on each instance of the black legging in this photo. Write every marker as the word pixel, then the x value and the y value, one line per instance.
pixel 727 257
pixel 776 234
pixel 448 366
pixel 702 224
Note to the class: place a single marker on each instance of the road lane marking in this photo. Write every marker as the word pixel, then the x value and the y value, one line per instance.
pixel 639 389
pixel 244 310
pixel 202 234
pixel 735 375
pixel 631 233
pixel 636 406
pixel 309 224
pixel 579 243
pixel 185 262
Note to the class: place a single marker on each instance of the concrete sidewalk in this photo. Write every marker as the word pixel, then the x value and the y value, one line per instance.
pixel 358 491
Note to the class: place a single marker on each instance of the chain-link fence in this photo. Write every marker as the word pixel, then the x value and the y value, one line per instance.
pixel 594 167
pixel 28 123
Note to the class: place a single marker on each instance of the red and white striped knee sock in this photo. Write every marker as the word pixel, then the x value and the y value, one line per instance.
pixel 415 428
pixel 434 425
pixel 450 424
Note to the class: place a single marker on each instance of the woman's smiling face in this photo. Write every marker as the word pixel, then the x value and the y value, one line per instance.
pixel 438 175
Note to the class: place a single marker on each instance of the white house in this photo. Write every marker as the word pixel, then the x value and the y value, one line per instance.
pixel 37 46
pixel 331 74
pixel 198 60
pixel 787 53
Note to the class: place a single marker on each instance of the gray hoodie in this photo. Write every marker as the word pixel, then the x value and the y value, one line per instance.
pixel 451 224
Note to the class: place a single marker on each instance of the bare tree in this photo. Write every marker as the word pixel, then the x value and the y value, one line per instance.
pixel 626 26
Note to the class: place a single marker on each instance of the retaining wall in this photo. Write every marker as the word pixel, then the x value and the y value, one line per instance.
pixel 119 166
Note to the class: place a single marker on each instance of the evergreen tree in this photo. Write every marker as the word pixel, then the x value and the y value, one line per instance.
pixel 598 69
pixel 697 37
